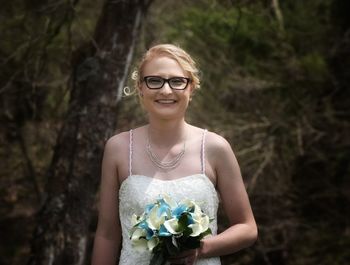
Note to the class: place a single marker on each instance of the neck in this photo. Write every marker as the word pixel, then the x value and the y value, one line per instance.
pixel 167 132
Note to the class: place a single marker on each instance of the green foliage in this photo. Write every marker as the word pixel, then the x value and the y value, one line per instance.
pixel 307 24
pixel 241 33
pixel 314 66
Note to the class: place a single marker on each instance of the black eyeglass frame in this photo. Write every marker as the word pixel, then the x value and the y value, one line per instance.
pixel 167 80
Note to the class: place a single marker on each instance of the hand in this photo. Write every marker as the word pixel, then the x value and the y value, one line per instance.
pixel 187 257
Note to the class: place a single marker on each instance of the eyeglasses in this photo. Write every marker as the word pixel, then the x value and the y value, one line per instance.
pixel 157 82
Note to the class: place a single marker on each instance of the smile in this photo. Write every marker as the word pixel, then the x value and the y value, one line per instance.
pixel 166 101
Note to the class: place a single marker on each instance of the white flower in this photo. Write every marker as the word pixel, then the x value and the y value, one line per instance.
pixel 169 201
pixel 138 233
pixel 138 239
pixel 134 219
pixel 172 226
pixel 189 203
pixel 201 225
pixel 140 245
pixel 152 243
pixel 155 220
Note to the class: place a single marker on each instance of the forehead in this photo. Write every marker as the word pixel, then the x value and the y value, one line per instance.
pixel 163 66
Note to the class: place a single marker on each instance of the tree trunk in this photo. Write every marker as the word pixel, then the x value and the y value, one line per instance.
pixel 61 236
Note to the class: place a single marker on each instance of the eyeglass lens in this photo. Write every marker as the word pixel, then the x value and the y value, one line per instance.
pixel 157 82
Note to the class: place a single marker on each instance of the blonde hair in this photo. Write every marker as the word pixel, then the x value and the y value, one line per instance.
pixel 174 52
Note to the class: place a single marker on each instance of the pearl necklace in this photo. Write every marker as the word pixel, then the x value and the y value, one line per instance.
pixel 166 165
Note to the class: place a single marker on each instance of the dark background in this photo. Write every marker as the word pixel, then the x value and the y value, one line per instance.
pixel 275 83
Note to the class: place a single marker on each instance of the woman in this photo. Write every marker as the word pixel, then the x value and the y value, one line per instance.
pixel 169 156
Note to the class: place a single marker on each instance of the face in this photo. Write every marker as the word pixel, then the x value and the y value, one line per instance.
pixel 165 103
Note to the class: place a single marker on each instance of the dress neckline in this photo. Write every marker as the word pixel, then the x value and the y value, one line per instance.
pixel 152 179
pixel 202 154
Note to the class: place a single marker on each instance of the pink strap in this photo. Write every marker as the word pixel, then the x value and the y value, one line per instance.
pixel 203 152
pixel 130 151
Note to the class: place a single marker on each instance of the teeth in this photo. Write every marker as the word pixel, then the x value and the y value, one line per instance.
pixel 165 100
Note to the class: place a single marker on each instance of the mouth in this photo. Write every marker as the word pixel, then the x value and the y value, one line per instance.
pixel 166 101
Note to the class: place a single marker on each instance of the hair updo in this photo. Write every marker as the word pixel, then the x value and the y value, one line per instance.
pixel 174 52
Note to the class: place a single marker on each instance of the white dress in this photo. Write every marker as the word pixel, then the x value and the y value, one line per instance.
pixel 138 190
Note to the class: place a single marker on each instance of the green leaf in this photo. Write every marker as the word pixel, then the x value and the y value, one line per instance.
pixel 183 221
pixel 190 243
pixel 187 232
pixel 205 233
pixel 171 249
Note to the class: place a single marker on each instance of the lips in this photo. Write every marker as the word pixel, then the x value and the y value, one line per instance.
pixel 166 101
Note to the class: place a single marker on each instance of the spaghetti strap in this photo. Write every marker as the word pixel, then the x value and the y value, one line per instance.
pixel 203 152
pixel 130 151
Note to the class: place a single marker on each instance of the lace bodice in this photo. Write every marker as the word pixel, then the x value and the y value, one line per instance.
pixel 138 190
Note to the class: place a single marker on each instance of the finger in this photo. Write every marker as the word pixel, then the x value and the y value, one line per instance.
pixel 186 253
pixel 187 257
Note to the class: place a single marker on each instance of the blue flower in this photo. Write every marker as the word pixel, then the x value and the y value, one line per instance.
pixel 178 211
pixel 163 231
pixel 148 231
pixel 148 208
pixel 163 208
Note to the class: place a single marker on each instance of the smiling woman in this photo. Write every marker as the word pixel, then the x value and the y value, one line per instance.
pixel 165 89
pixel 172 159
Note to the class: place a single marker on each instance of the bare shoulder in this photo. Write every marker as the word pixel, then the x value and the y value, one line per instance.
pixel 216 144
pixel 117 140
pixel 117 144
pixel 220 155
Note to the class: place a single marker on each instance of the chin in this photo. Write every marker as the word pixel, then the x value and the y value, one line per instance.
pixel 167 115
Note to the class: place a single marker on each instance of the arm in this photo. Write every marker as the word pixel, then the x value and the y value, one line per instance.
pixel 243 230
pixel 108 233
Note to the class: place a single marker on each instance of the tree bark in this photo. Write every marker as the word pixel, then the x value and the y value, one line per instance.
pixel 100 71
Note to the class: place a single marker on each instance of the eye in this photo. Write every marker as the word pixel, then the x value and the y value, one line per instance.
pixel 178 81
pixel 154 81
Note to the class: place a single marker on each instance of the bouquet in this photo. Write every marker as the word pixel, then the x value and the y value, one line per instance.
pixel 166 228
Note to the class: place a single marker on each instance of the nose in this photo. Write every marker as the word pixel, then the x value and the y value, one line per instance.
pixel 166 89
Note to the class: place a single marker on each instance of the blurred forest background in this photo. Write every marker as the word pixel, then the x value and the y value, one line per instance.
pixel 275 83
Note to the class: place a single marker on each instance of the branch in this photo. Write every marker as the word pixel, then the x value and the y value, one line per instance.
pixel 266 161
pixel 278 13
